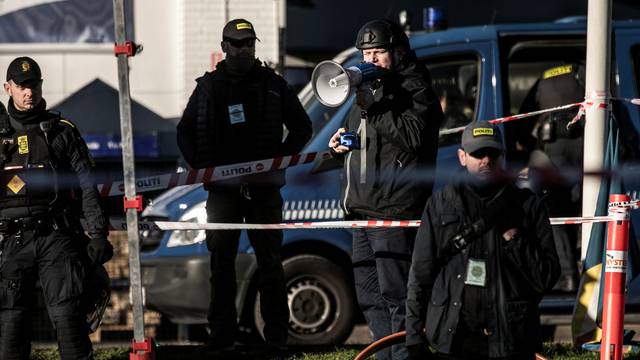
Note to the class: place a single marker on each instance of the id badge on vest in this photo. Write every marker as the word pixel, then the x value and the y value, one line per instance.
pixel 236 114
pixel 476 273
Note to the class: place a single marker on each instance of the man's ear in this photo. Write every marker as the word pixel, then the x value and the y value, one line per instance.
pixel 225 46
pixel 462 157
pixel 7 87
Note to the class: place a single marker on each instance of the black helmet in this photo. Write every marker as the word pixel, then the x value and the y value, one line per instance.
pixel 381 34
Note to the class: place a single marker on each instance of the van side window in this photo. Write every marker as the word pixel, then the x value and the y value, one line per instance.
pixel 455 81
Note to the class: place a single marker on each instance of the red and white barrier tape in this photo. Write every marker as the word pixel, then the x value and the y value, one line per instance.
pixel 514 117
pixel 579 220
pixel 633 204
pixel 166 181
pixel 176 225
pixel 597 99
pixel 117 224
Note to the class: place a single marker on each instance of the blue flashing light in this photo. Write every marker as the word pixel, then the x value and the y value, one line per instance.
pixel 433 19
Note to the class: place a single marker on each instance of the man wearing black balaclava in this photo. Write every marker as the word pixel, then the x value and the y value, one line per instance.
pixel 236 114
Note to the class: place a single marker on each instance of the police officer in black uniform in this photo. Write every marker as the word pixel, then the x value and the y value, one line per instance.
pixel 557 146
pixel 236 114
pixel 44 164
pixel 483 259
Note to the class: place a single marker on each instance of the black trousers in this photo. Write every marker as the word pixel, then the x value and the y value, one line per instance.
pixel 258 204
pixel 565 200
pixel 381 261
pixel 58 259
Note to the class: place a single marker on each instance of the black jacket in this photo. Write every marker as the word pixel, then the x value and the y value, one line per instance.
pixel 401 138
pixel 518 272
pixel 208 135
pixel 77 193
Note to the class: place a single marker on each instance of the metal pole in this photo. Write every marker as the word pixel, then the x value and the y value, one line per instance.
pixel 597 85
pixel 128 167
pixel 282 34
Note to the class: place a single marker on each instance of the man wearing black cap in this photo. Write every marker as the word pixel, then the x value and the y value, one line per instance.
pixel 236 114
pixel 44 165
pixel 484 256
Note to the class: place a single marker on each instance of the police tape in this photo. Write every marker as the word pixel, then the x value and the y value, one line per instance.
pixel 175 225
pixel 225 172
pixel 623 205
pixel 121 224
pixel 515 117
pixel 597 99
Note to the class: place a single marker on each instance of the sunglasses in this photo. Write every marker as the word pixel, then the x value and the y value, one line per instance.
pixel 490 152
pixel 242 43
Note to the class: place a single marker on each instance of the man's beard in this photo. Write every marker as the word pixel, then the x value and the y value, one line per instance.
pixel 240 64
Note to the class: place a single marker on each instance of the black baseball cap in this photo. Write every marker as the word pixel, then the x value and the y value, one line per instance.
pixel 238 29
pixel 480 135
pixel 23 69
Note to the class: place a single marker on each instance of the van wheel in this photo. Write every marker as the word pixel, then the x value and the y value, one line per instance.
pixel 321 301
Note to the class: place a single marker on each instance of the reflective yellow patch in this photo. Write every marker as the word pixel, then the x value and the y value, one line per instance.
pixel 23 144
pixel 482 131
pixel 15 184
pixel 25 66
pixel 241 26
pixel 556 71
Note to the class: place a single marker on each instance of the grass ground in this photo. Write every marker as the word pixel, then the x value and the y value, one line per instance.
pixel 552 351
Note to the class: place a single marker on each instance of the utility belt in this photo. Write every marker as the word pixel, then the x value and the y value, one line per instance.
pixel 40 223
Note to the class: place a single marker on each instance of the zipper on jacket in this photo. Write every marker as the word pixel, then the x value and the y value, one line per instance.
pixel 362 129
pixel 346 189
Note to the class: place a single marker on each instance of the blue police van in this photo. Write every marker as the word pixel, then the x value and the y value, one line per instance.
pixel 479 73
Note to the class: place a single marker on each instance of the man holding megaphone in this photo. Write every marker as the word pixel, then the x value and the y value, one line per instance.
pixel 390 134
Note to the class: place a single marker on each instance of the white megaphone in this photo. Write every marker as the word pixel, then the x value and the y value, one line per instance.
pixel 332 83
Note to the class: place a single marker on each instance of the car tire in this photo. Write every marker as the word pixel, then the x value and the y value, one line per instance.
pixel 321 301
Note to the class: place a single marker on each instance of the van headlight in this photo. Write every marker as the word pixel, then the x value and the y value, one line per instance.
pixel 197 214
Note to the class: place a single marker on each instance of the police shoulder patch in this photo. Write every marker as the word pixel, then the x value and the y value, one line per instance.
pixel 557 71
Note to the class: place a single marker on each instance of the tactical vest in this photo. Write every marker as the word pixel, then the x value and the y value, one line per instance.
pixel 28 174
pixel 267 107
pixel 560 85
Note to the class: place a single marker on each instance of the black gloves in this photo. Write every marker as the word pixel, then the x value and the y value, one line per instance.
pixel 99 250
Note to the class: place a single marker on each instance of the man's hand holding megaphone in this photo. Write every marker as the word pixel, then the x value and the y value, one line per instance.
pixel 332 83
pixel 364 96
